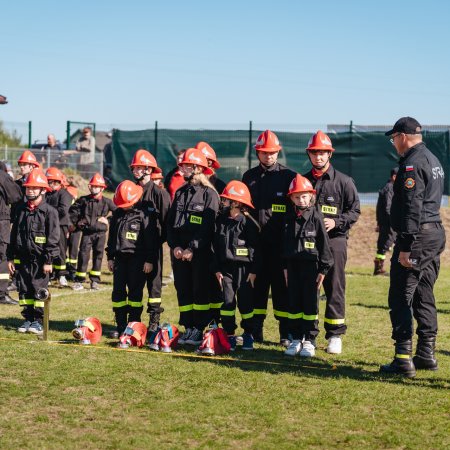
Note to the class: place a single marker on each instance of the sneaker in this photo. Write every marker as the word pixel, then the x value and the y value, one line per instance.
pixel 114 334
pixel 248 341
pixel 239 340
pixel 294 348
pixel 95 286
pixel 185 336
pixel 285 342
pixel 36 328
pixel 334 345
pixel 7 300
pixel 78 286
pixel 63 281
pixel 232 341
pixel 24 327
pixel 195 338
pixel 12 287
pixel 308 350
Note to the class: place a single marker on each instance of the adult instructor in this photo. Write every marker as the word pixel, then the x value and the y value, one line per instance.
pixel 420 240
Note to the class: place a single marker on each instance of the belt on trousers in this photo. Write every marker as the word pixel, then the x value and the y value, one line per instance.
pixel 430 225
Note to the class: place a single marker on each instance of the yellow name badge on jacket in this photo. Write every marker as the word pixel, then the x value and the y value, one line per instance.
pixel 196 219
pixel 242 252
pixel 131 236
pixel 40 239
pixel 279 208
pixel 310 244
pixel 328 209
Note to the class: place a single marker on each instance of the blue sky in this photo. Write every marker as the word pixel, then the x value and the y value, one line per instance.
pixel 292 63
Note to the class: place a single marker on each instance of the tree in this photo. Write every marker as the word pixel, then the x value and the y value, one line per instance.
pixel 9 139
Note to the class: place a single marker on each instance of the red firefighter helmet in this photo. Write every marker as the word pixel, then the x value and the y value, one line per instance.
pixel 209 152
pixel 157 175
pixel 133 336
pixel 144 158
pixel 238 191
pixel 54 174
pixel 97 180
pixel 127 194
pixel 215 342
pixel 320 141
pixel 196 157
pixel 27 157
pixel 36 178
pixel 88 331
pixel 73 191
pixel 300 184
pixel 267 142
pixel 165 339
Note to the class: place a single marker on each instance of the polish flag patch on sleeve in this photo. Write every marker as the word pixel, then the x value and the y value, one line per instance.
pixel 409 168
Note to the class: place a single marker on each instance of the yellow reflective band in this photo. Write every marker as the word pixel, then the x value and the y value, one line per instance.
pixel 310 317
pixel 38 304
pixel 4 276
pixel 224 312
pixel 186 308
pixel 40 239
pixel 279 208
pixel 242 252
pixel 309 244
pixel 26 301
pixel 400 356
pixel 329 209
pixel 154 300
pixel 131 236
pixel 280 313
pixel 295 316
pixel 334 321
pixel 247 316
pixel 380 256
pixel 95 273
pixel 16 261
pixel 119 304
pixel 196 219
pixel 62 267
pixel 71 261
pixel 216 305
pixel 259 311
pixel 201 307
pixel 80 274
pixel 135 304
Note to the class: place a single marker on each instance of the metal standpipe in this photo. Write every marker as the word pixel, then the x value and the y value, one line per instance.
pixel 45 296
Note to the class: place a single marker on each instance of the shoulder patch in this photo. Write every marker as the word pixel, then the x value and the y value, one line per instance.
pixel 410 183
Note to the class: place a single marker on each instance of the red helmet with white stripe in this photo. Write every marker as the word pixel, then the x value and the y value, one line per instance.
pixel 197 158
pixel 320 142
pixel 209 152
pixel 144 158
pixel 237 191
pixel 127 194
pixel 267 142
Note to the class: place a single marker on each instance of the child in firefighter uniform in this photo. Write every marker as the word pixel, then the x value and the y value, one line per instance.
pixel 236 256
pixel 131 252
pixel 35 243
pixel 89 214
pixel 73 243
pixel 308 258
pixel 190 231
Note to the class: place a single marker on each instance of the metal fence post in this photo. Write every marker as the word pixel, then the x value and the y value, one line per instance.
pixel 156 139
pixel 29 134
pixel 351 148
pixel 67 134
pixel 250 126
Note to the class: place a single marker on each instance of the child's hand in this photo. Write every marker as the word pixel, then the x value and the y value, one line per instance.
pixel 103 220
pixel 219 277
pixel 47 268
pixel 251 278
pixel 111 265
pixel 285 276
pixel 11 267
pixel 187 255
pixel 178 252
pixel 329 223
pixel 319 280
pixel 148 267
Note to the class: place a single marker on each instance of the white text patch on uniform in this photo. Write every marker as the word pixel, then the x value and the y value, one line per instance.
pixel 242 252
pixel 330 199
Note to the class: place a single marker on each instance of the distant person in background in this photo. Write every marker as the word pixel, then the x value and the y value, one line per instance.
pixel 213 163
pixel 86 146
pixel 386 235
pixel 175 178
pixel 51 145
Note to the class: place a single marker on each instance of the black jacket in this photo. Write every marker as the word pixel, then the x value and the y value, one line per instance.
pixel 305 238
pixel 192 216
pixel 219 185
pixel 35 234
pixel 269 188
pixel 10 193
pixel 132 232
pixel 336 199
pixel 158 205
pixel 86 211
pixel 418 191
pixel 236 240
pixel 61 200
pixel 383 210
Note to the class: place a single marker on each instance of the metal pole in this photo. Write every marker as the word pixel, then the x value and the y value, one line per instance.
pixel 67 134
pixel 29 134
pixel 156 139
pixel 250 140
pixel 351 149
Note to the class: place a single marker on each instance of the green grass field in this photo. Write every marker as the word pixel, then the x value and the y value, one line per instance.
pixel 59 394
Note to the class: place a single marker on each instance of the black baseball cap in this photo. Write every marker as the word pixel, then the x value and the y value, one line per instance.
pixel 406 125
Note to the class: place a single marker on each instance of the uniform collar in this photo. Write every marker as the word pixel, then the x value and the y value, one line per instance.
pixel 412 151
pixel 329 174
pixel 273 168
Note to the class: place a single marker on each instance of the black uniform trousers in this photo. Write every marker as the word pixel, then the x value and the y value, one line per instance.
pixel 4 271
pixel 192 285
pixel 303 299
pixel 30 279
pixel 96 243
pixel 128 288
pixel 59 263
pixel 73 247
pixel 236 290
pixel 411 290
pixel 154 284
pixel 334 286
pixel 215 297
pixel 386 237
pixel 271 276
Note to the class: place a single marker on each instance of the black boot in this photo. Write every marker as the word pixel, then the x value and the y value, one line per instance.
pixel 425 358
pixel 258 335
pixel 283 327
pixel 402 363
pixel 155 315
pixel 379 267
pixel 121 320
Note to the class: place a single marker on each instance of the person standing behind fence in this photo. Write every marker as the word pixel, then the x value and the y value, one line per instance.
pixel 86 146
pixel 269 184
pixel 415 262
pixel 337 200
pixel 386 235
